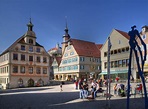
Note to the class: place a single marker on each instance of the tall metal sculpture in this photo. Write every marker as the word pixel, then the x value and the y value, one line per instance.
pixel 134 48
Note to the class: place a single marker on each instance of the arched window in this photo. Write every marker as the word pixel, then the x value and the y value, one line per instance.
pixel 30 41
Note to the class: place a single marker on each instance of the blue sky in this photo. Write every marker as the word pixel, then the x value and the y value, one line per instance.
pixel 90 20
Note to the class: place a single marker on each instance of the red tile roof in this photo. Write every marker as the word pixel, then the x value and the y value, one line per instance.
pixel 86 48
pixel 124 34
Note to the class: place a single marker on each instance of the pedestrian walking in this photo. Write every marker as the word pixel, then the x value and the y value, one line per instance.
pixel 61 85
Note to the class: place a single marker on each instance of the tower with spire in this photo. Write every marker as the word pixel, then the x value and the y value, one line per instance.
pixel 30 36
pixel 66 38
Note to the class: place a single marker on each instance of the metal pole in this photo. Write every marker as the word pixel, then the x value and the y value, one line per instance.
pixel 108 71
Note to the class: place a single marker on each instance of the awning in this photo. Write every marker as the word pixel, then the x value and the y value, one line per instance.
pixel 114 72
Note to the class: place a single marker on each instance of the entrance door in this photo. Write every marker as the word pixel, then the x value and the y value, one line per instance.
pixel 30 83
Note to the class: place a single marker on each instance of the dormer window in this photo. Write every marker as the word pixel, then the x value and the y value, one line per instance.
pixel 30 41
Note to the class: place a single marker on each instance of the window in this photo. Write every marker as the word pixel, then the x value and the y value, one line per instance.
pixel 69 60
pixel 15 56
pixel 75 67
pixel 124 62
pixel 38 59
pixel 30 58
pixel 105 54
pixel 81 67
pixel 30 48
pixel 31 70
pixel 119 41
pixel 111 52
pixel 116 63
pixel 127 62
pixel 119 50
pixel 38 70
pixel 71 53
pixel 123 49
pixel 22 69
pixel 69 47
pixel 127 48
pixel 44 70
pixel 120 63
pixel 112 64
pixel 22 57
pixel 23 47
pixel 81 58
pixel 66 55
pixel 30 41
pixel 115 51
pixel 105 65
pixel 38 50
pixel 64 62
pixel 15 69
pixel 44 59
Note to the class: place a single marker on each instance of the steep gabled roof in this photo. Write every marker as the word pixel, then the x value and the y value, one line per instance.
pixel 123 33
pixel 86 48
pixel 19 40
pixel 10 47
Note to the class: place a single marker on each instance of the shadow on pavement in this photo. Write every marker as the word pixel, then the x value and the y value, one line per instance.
pixel 63 100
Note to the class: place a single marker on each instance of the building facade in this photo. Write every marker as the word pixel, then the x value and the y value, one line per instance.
pixel 119 55
pixel 80 59
pixel 24 63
